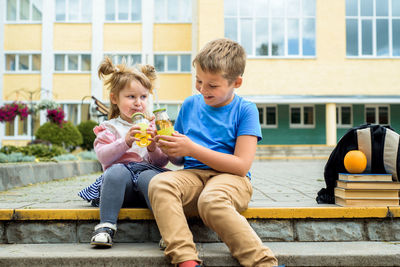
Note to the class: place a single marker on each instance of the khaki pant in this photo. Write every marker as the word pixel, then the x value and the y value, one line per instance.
pixel 217 198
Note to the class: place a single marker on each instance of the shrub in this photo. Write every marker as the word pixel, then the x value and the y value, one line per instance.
pixel 9 149
pixel 42 151
pixel 87 155
pixel 86 130
pixel 3 158
pixel 65 157
pixel 19 157
pixel 66 136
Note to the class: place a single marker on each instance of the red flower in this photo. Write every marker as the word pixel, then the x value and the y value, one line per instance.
pixel 8 112
pixel 56 116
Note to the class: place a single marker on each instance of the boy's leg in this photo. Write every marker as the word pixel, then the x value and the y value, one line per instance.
pixel 171 195
pixel 219 204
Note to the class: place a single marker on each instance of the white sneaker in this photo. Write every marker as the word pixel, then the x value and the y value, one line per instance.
pixel 103 235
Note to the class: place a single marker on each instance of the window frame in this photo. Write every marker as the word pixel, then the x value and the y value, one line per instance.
pixel 339 123
pixel 114 56
pixel 301 125
pixel 374 19
pixel 116 9
pixel 17 56
pixel 376 106
pixel 18 20
pixel 264 123
pixel 285 17
pixel 80 13
pixel 179 66
pixel 79 70
pixel 165 19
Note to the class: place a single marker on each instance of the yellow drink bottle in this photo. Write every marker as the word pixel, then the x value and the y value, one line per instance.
pixel 163 123
pixel 139 119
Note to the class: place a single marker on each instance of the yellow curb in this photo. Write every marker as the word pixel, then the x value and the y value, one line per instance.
pixel 6 214
pixel 293 157
pixel 334 212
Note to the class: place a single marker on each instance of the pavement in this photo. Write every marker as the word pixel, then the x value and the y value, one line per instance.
pixel 276 183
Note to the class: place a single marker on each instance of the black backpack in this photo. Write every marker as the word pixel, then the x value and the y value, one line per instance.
pixel 379 143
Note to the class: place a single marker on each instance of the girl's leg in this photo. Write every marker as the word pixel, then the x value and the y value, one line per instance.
pixel 117 186
pixel 143 184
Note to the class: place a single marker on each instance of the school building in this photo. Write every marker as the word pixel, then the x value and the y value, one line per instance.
pixel 315 68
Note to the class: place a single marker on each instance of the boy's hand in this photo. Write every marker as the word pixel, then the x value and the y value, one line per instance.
pixel 130 135
pixel 177 145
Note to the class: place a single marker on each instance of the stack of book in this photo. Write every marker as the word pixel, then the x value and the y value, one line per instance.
pixel 362 190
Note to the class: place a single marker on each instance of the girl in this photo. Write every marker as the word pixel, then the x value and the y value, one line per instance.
pixel 127 167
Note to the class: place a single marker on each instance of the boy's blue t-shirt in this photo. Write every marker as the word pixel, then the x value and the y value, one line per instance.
pixel 216 128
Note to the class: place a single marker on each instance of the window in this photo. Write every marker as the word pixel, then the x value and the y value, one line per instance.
pixel 24 11
pixel 123 10
pixel 268 116
pixel 73 10
pixel 173 11
pixel 373 28
pixel 72 63
pixel 269 28
pixel 129 59
pixel 172 63
pixel 23 62
pixel 76 113
pixel 302 116
pixel 377 115
pixel 344 116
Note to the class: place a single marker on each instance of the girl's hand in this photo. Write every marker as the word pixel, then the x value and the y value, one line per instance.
pixel 130 135
pixel 153 132
pixel 177 145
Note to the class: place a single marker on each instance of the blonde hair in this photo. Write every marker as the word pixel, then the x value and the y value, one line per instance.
pixel 222 56
pixel 121 75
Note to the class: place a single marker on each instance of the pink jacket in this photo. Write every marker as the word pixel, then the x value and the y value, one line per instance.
pixel 110 146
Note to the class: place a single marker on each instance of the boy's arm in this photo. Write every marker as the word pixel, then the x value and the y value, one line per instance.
pixel 239 163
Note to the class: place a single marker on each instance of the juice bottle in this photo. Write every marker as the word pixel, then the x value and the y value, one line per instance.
pixel 163 123
pixel 139 119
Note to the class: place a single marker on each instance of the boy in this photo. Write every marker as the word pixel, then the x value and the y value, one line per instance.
pixel 216 139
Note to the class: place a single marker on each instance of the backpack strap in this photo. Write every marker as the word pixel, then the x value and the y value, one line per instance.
pixel 365 145
pixel 390 153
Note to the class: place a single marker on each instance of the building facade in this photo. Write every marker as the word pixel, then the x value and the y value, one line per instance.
pixel 315 68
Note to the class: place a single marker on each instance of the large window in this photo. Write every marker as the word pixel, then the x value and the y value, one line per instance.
pixel 76 113
pixel 373 28
pixel 24 11
pixel 302 116
pixel 129 59
pixel 73 10
pixel 272 28
pixel 172 63
pixel 123 10
pixel 344 116
pixel 268 115
pixel 377 114
pixel 23 62
pixel 72 63
pixel 173 11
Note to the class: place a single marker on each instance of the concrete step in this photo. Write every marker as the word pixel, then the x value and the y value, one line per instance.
pixel 293 151
pixel 213 254
pixel 281 224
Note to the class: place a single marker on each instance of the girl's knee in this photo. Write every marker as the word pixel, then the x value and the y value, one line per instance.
pixel 117 173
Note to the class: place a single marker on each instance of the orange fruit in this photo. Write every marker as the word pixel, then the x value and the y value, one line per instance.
pixel 355 161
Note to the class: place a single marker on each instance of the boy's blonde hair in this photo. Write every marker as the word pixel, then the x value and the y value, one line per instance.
pixel 121 75
pixel 222 56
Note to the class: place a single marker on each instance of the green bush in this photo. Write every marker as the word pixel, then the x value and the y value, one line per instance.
pixel 17 157
pixel 65 157
pixel 86 130
pixel 9 149
pixel 66 136
pixel 42 151
pixel 3 158
pixel 87 155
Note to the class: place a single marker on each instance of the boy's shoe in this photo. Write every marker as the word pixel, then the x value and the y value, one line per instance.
pixel 103 235
pixel 162 244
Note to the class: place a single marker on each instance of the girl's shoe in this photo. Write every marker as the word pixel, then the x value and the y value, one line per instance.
pixel 162 244
pixel 103 235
